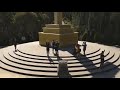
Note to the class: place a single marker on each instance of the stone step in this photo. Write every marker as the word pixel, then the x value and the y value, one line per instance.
pixel 45 61
pixel 98 74
pixel 32 56
pixel 26 72
pixel 36 58
pixel 55 56
pixel 90 76
pixel 95 67
pixel 48 61
pixel 85 73
pixel 55 62
pixel 70 64
pixel 57 30
pixel 43 69
pixel 107 67
pixel 28 65
pixel 58 26
pixel 91 63
pixel 39 65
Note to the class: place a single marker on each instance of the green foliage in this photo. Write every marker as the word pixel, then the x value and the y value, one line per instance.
pixel 104 26
pixel 18 24
pixel 84 36
pixel 26 22
pixel 7 22
pixel 45 17
pixel 27 25
pixel 98 37
pixel 101 27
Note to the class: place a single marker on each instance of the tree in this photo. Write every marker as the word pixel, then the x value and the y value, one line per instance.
pixel 7 21
pixel 27 25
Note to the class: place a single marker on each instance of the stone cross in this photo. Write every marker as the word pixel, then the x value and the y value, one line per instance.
pixel 58 18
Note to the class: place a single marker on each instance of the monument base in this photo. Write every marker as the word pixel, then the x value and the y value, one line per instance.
pixel 62 33
pixel 63 39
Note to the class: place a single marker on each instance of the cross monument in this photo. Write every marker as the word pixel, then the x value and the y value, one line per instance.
pixel 63 33
pixel 58 18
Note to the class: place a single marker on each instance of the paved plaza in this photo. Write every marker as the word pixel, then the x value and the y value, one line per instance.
pixel 31 61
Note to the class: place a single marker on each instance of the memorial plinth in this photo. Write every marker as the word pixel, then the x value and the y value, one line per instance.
pixel 63 69
pixel 63 33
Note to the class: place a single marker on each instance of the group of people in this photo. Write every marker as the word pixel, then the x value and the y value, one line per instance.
pixel 77 49
pixel 55 47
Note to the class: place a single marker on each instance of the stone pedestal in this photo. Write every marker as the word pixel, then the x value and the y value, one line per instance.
pixel 62 33
pixel 63 69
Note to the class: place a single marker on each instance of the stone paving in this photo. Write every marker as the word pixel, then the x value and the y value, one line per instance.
pixel 36 49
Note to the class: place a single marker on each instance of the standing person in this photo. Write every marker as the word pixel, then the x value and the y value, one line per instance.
pixel 53 46
pixel 57 47
pixel 74 50
pixel 47 48
pixel 77 50
pixel 15 43
pixel 84 47
pixel 102 59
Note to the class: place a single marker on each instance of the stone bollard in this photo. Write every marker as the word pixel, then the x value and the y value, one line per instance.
pixel 63 69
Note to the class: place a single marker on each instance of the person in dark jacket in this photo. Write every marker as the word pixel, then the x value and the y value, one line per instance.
pixel 102 59
pixel 77 50
pixel 84 47
pixel 57 47
pixel 15 44
pixel 53 46
pixel 47 48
